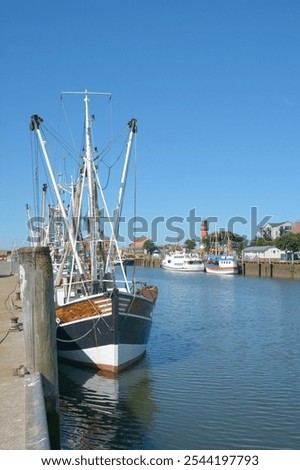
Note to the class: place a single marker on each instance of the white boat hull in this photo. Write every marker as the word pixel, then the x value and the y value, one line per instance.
pixel 222 266
pixel 112 357
pixel 225 271
pixel 187 269
pixel 182 262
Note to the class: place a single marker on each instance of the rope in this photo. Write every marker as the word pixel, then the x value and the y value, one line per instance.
pixel 67 121
pixel 6 300
pixel 7 308
pixel 88 332
pixel 109 167
pixel 104 154
pixel 80 337
pixel 1 341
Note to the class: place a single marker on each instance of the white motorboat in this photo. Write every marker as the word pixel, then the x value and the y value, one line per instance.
pixel 182 262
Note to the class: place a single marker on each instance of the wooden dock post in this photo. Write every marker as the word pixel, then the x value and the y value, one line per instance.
pixel 37 292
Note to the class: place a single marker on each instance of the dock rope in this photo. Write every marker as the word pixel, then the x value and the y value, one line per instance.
pixel 80 337
pixel 9 311
pixel 91 329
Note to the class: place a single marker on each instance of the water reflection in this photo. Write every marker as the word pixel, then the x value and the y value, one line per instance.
pixel 101 411
pixel 222 371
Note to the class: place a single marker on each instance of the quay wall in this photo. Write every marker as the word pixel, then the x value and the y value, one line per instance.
pixel 271 268
pixel 147 262
pixel 36 426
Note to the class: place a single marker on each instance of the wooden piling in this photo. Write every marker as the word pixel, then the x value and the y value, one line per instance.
pixel 37 292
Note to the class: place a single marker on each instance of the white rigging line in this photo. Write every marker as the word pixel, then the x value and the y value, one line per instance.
pixel 111 228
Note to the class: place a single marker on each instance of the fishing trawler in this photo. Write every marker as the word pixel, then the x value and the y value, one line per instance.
pixel 221 263
pixel 101 321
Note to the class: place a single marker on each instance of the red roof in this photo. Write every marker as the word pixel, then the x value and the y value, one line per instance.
pixel 138 242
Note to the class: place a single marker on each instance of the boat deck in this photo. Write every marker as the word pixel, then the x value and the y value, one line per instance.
pixel 84 309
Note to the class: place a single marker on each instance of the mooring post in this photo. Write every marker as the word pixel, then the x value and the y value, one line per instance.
pixel 37 292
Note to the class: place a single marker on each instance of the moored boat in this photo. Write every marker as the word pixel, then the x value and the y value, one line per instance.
pixel 109 331
pixel 220 259
pixel 182 262
pixel 221 265
pixel 101 321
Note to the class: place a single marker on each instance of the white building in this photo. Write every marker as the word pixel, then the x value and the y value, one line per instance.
pixel 276 229
pixel 254 253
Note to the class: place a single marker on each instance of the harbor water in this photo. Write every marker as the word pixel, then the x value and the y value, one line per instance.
pixel 222 371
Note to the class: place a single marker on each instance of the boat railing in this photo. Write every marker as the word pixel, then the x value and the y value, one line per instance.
pixel 81 286
pixel 80 289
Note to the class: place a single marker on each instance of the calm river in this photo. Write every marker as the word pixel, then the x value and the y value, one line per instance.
pixel 222 371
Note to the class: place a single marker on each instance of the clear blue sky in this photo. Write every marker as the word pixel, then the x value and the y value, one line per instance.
pixel 214 84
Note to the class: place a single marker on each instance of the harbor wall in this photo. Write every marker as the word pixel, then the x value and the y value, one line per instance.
pixel 36 425
pixel 147 262
pixel 272 269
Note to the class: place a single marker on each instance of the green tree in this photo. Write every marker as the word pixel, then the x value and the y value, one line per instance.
pixel 233 241
pixel 190 244
pixel 288 242
pixel 262 241
pixel 149 246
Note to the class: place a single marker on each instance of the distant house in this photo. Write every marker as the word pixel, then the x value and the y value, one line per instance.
pixel 276 230
pixel 296 227
pixel 156 253
pixel 255 253
pixel 138 244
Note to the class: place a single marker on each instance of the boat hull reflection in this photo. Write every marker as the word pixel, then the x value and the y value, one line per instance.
pixel 102 411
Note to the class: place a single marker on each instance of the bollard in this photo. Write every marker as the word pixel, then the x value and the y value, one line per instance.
pixel 37 293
